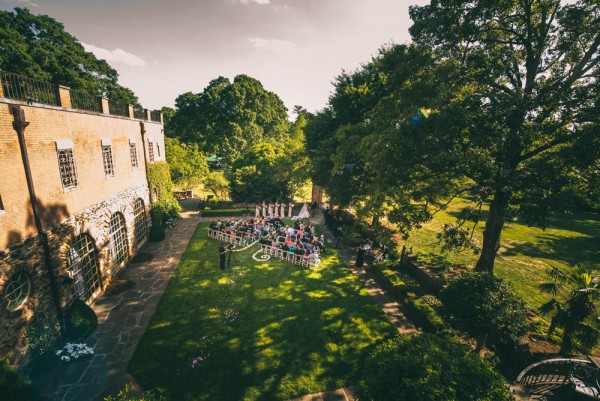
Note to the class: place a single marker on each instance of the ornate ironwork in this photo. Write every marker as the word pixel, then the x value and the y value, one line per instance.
pixel 28 89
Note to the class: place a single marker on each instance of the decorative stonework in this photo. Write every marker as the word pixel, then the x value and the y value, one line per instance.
pixel 28 256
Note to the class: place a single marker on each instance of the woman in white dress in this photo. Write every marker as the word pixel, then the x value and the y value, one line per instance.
pixel 304 213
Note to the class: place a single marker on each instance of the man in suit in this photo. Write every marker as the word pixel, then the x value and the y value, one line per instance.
pixel 222 252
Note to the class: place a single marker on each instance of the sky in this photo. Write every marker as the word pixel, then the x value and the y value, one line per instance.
pixel 296 48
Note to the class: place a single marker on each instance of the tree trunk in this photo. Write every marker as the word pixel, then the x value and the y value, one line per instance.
pixel 493 229
pixel 375 221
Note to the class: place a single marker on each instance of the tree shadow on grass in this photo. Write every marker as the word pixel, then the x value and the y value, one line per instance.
pixel 298 332
pixel 571 250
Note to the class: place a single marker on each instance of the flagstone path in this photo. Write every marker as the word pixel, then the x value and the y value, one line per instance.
pixel 123 318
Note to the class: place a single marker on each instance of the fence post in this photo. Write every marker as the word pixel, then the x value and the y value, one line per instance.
pixel 105 109
pixel 64 96
pixel 1 87
pixel 130 111
pixel 148 114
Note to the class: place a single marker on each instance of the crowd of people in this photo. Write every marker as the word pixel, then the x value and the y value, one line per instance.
pixel 248 230
pixel 301 239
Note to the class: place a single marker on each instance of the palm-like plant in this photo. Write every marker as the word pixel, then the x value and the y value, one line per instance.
pixel 576 313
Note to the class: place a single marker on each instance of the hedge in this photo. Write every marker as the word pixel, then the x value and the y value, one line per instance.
pixel 224 212
pixel 426 316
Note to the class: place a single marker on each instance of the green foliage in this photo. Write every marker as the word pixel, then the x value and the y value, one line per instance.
pixel 255 177
pixel 426 367
pixel 422 313
pixel 12 385
pixel 388 279
pixel 228 118
pixel 38 47
pixel 513 119
pixel 81 321
pixel 263 330
pixel 186 162
pixel 485 307
pixel 159 177
pixel 216 183
pixel 576 313
pixel 225 212
pixel 41 338
pixel 150 395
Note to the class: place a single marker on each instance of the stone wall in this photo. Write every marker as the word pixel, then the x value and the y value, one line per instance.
pixel 28 257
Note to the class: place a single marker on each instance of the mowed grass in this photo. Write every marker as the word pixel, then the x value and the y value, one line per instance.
pixel 526 252
pixel 260 331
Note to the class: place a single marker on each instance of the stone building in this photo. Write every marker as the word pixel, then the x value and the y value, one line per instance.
pixel 74 199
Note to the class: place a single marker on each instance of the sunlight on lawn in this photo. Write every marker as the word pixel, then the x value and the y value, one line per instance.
pixel 260 331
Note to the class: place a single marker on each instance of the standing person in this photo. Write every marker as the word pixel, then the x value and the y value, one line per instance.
pixel 360 256
pixel 338 233
pixel 222 252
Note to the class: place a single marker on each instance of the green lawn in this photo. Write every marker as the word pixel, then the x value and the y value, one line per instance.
pixel 264 330
pixel 525 251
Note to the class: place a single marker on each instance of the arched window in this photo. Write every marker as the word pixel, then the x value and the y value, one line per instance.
pixel 82 261
pixel 118 241
pixel 140 225
pixel 155 195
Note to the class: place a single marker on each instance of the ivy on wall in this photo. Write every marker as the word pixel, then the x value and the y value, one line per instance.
pixel 161 188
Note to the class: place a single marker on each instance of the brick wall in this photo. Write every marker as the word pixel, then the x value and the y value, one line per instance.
pixel 64 214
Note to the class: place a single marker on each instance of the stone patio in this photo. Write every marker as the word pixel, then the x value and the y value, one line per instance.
pixel 123 317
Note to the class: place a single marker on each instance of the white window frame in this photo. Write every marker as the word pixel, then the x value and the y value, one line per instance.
pixel 108 160
pixel 133 154
pixel 64 148
pixel 151 151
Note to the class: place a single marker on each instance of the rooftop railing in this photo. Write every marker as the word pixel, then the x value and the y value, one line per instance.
pixel 155 115
pixel 18 87
pixel 28 89
pixel 83 101
pixel 118 108
pixel 139 113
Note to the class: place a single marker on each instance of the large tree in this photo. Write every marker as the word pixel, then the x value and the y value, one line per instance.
pixel 38 47
pixel 228 118
pixel 522 118
pixel 509 99
pixel 187 163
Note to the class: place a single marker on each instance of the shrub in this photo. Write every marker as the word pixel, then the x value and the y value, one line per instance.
pixel 12 385
pixel 81 320
pixel 486 308
pixel 157 233
pixel 428 368
pixel 224 212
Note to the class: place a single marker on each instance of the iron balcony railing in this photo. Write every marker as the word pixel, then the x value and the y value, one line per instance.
pixel 118 108
pixel 139 113
pixel 28 89
pixel 84 101
pixel 155 115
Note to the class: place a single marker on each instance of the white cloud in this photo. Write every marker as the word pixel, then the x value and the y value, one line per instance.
pixel 117 55
pixel 270 44
pixel 261 2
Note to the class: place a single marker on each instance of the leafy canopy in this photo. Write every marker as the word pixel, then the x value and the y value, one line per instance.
pixel 486 308
pixel 187 163
pixel 428 368
pixel 228 118
pixel 37 46
pixel 512 93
